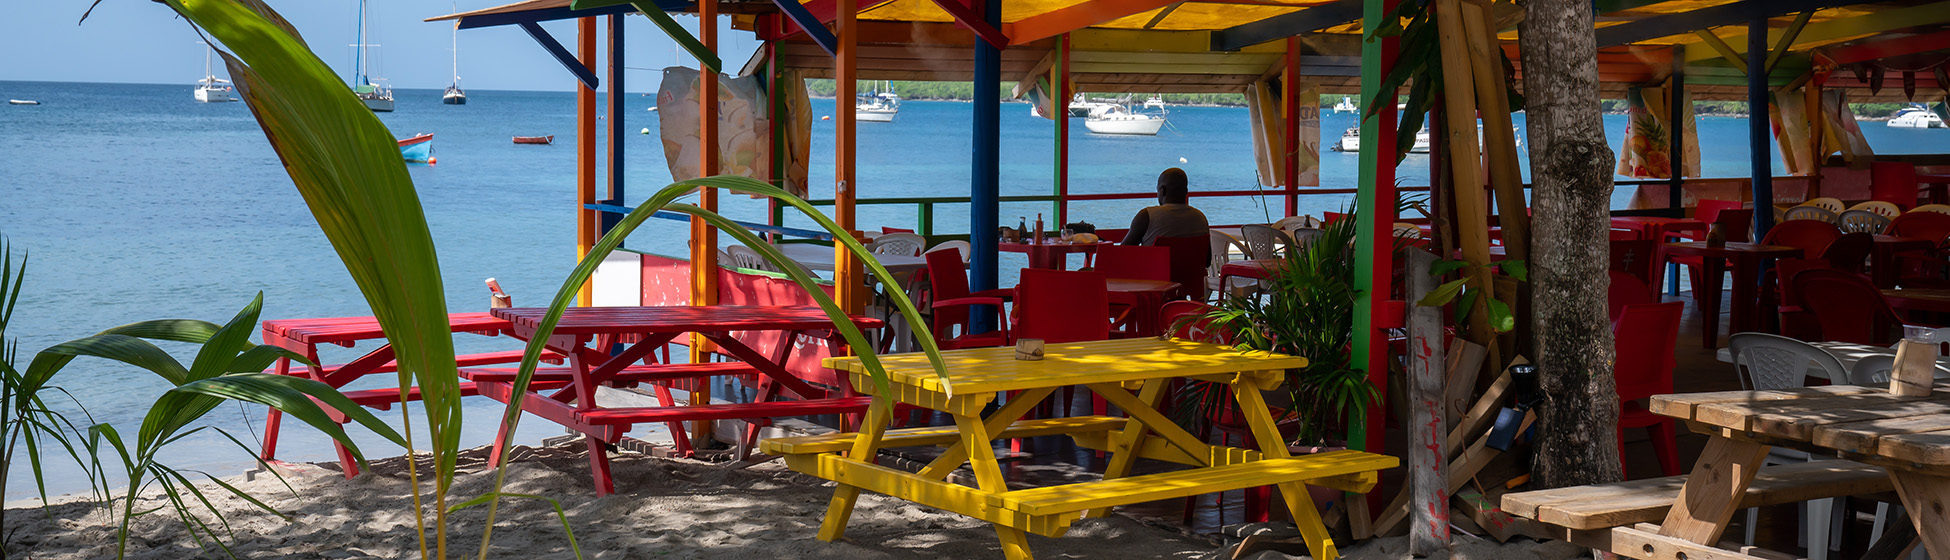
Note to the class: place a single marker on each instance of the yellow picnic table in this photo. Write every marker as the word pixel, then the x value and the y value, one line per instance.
pixel 1112 369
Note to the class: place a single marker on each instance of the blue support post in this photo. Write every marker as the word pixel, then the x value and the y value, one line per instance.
pixel 616 120
pixel 1757 126
pixel 985 191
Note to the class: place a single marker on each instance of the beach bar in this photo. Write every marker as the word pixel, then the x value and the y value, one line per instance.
pixel 1804 60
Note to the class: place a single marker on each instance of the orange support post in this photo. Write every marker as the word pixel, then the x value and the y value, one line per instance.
pixel 704 238
pixel 587 221
pixel 848 282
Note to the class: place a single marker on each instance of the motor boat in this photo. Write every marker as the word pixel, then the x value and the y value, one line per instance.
pixel 1346 106
pixel 1121 120
pixel 1350 140
pixel 1916 116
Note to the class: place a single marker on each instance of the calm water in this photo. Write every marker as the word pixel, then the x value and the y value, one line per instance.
pixel 137 203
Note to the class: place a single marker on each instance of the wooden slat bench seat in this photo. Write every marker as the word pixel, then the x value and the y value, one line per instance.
pixel 629 376
pixel 939 435
pixel 1070 498
pixel 769 409
pixel 1625 504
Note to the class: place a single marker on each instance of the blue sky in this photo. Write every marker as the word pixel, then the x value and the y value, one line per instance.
pixel 144 42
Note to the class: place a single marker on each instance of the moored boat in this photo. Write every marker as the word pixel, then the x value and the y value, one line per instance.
pixel 212 89
pixel 22 102
pixel 878 106
pixel 418 149
pixel 550 139
pixel 454 95
pixel 1916 116
pixel 377 97
pixel 1119 120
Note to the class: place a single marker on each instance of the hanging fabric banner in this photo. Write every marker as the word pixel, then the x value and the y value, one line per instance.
pixel 798 132
pixel 1268 128
pixel 1840 134
pixel 744 131
pixel 1789 113
pixel 1647 151
pixel 1041 103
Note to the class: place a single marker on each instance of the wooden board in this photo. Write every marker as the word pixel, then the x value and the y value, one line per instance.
pixel 1682 406
pixel 1465 365
pixel 1861 437
pixel 1717 483
pixel 1639 501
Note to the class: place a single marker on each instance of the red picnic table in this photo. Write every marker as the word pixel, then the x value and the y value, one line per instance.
pixel 585 335
pixel 304 336
pixel 1052 254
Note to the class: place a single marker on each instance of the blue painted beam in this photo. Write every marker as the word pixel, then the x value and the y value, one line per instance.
pixel 1708 17
pixel 561 54
pixel 553 14
pixel 815 29
pixel 985 190
pixel 1286 25
pixel 1759 131
pixel 678 217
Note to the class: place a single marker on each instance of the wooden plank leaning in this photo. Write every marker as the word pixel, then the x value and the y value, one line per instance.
pixel 1427 468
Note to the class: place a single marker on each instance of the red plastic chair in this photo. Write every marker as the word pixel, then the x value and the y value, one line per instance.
pixel 1794 322
pixel 1637 258
pixel 952 300
pixel 1138 262
pixel 1811 236
pixel 1850 252
pixel 1850 308
pixel 1062 306
pixel 1922 268
pixel 1190 256
pixel 1893 182
pixel 1645 337
pixel 1735 222
pixel 1625 290
pixel 885 229
pixel 1200 330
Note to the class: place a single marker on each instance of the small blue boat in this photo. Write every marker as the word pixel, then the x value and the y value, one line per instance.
pixel 418 149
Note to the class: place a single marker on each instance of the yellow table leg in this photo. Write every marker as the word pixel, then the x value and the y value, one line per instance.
pixel 1123 448
pixel 1252 407
pixel 1015 543
pixel 864 449
pixel 988 477
pixel 957 454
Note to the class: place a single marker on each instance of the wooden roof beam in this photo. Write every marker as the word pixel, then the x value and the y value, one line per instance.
pixel 966 17
pixel 811 24
pixel 1884 48
pixel 1708 17
pixel 1078 16
pixel 1312 19
pixel 1029 78
pixel 1847 28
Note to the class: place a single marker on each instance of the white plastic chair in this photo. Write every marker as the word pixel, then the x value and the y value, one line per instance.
pixel 954 244
pixel 904 244
pixel 1263 242
pixel 1291 223
pixel 1863 221
pixel 1222 247
pixel 1769 362
pixel 740 256
pixel 1885 208
pixel 1830 204
pixel 1805 212
pixel 1938 208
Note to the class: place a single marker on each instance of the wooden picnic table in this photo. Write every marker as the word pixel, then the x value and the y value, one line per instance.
pixel 1145 297
pixel 1908 436
pixel 1882 261
pixel 1052 254
pixel 304 336
pixel 1110 368
pixel 1746 259
pixel 586 334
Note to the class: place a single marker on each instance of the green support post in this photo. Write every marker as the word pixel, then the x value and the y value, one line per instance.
pixel 1373 249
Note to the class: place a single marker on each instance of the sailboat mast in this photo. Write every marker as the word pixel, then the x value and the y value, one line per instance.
pixel 207 72
pixel 456 46
pixel 359 66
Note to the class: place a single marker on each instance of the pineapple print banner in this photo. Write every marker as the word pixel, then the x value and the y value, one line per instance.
pixel 1647 152
pixel 744 129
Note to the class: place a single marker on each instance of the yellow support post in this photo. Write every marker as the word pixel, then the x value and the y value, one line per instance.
pixel 586 220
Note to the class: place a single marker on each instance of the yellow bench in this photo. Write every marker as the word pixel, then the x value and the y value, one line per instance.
pixel 1061 502
pixel 937 435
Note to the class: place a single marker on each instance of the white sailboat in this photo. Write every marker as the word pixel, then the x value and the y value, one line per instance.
pixel 454 95
pixel 1351 140
pixel 877 106
pixel 377 97
pixel 1916 116
pixel 212 89
pixel 1119 119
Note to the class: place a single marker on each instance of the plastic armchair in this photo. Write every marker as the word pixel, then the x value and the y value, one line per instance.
pixel 1863 221
pixel 1263 242
pixel 904 244
pixel 740 256
pixel 1881 207
pixel 1769 362
pixel 1136 262
pixel 1809 213
pixel 1810 236
pixel 1936 208
pixel 957 245
pixel 1850 308
pixel 1646 335
pixel 1303 237
pixel 1062 306
pixel 1625 290
pixel 1291 223
pixel 952 303
pixel 1830 204
pixel 1190 257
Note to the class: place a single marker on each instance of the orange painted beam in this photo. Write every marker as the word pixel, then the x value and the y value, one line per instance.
pixel 704 238
pixel 848 282
pixel 1071 18
pixel 587 222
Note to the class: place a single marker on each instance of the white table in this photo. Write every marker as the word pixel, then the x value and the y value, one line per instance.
pixel 1849 353
pixel 820 257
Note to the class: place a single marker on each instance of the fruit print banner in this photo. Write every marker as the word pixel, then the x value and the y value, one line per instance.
pixel 744 131
pixel 1647 151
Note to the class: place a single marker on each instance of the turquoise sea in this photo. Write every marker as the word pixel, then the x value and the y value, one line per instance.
pixel 134 202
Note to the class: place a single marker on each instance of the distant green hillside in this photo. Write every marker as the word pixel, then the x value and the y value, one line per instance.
pixel 964 91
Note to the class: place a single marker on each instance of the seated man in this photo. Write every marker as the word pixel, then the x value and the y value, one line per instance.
pixel 1172 217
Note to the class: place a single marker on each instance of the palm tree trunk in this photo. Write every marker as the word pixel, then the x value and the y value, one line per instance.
pixel 1571 168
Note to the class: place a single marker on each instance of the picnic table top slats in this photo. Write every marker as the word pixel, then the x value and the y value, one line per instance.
pixel 334 330
pixel 1865 420
pixel 984 370
pixel 666 319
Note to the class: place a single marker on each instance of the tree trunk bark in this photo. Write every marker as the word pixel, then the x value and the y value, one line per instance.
pixel 1571 169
